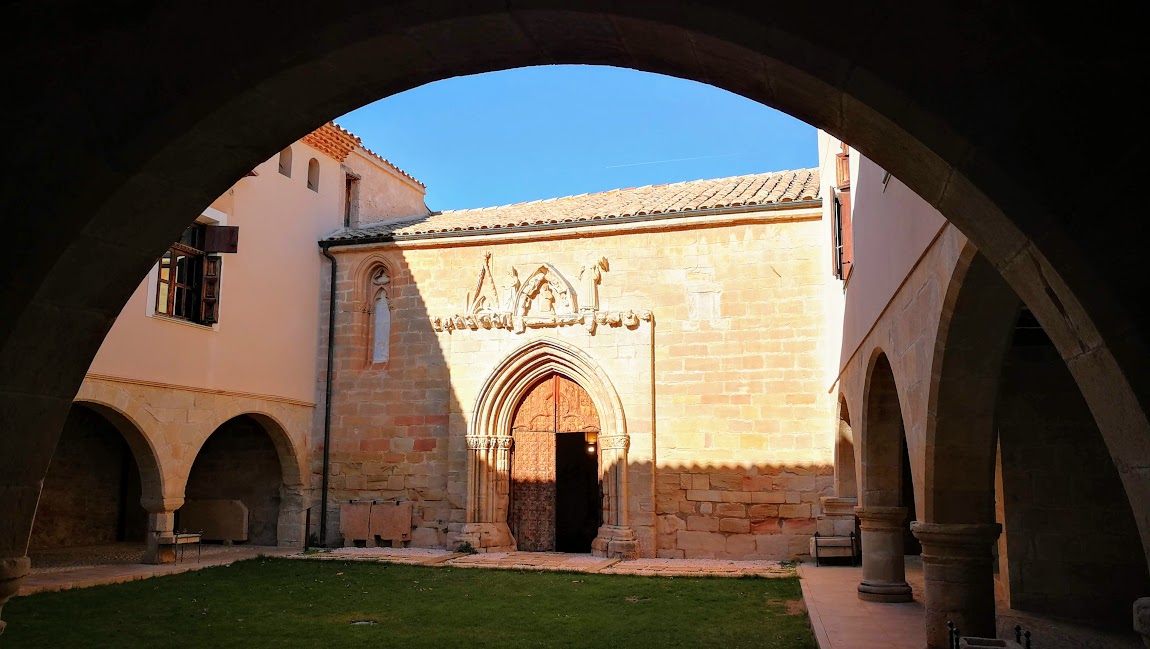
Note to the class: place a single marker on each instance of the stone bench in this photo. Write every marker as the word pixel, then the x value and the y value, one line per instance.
pixel 834 546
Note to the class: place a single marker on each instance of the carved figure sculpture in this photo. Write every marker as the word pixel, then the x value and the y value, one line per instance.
pixel 590 276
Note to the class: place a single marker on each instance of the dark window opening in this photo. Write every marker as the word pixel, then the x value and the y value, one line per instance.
pixel 285 162
pixel 350 196
pixel 188 283
pixel 313 175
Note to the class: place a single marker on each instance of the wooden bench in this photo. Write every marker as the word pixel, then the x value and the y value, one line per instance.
pixel 180 540
pixel 836 545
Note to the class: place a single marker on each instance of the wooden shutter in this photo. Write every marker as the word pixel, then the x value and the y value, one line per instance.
pixel 848 250
pixel 210 290
pixel 221 238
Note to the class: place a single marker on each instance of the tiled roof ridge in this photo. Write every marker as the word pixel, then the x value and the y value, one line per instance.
pixel 683 197
pixel 359 144
pixel 765 175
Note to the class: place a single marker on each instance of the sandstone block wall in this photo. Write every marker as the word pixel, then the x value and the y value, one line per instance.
pixel 239 462
pixel 724 385
pixel 1073 548
pixel 167 426
pixel 91 494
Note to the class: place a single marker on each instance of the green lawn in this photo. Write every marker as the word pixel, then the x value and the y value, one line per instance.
pixel 293 603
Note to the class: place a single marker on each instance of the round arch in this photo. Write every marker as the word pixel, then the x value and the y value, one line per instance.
pixel 289 522
pixel 489 443
pixel 986 164
pixel 979 311
pixel 152 478
pixel 291 459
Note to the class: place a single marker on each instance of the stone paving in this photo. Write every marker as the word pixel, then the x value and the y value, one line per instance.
pixel 100 565
pixel 841 620
pixel 562 561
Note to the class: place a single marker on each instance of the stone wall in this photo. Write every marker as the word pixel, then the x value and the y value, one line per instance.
pixel 166 426
pixel 239 462
pixel 91 494
pixel 722 385
pixel 1072 546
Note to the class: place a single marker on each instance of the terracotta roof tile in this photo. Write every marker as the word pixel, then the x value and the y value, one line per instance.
pixel 749 190
pixel 337 142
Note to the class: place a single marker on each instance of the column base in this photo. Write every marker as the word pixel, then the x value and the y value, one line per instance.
pixel 11 572
pixel 615 542
pixel 488 537
pixel 891 593
pixel 1142 619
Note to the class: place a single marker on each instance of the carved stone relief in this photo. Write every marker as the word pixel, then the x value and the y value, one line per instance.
pixel 544 299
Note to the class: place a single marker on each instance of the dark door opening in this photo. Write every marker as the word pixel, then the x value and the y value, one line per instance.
pixel 577 510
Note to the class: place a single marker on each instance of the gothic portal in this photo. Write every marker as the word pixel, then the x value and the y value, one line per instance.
pixel 555 494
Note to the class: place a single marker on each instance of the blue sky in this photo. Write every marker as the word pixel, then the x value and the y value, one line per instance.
pixel 548 131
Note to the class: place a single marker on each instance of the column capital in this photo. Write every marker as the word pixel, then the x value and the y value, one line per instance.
pixel 941 536
pixel 161 505
pixel 881 518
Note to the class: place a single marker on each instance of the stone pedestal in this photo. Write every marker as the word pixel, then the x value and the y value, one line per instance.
pixel 11 572
pixel 958 570
pixel 1141 619
pixel 614 541
pixel 884 574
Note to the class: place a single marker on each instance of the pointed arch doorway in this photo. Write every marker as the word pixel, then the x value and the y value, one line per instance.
pixel 556 501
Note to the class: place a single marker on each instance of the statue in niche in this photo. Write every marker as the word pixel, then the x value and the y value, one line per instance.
pixel 545 301
pixel 510 290
pixel 381 318
pixel 590 275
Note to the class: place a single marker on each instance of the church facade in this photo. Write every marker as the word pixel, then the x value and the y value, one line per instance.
pixel 635 373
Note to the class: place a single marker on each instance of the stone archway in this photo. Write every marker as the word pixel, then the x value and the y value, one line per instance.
pixel 286 526
pixel 973 140
pixel 958 526
pixel 489 443
pixel 882 512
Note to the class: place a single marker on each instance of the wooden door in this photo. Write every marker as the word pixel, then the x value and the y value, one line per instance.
pixel 556 404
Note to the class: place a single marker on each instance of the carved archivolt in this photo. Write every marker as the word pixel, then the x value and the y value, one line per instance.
pixel 544 299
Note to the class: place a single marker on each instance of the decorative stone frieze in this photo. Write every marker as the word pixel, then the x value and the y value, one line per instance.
pixel 614 442
pixel 545 300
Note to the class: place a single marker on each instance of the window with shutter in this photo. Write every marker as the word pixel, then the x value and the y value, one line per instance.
pixel 210 295
pixel 188 281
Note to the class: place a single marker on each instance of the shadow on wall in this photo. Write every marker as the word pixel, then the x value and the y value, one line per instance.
pixel 390 413
pixel 239 462
pixel 91 494
pixel 1071 544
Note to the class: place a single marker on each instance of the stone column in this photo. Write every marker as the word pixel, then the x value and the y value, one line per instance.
pixel 290 530
pixel 615 537
pixel 11 572
pixel 884 574
pixel 161 526
pixel 488 478
pixel 1141 618
pixel 958 568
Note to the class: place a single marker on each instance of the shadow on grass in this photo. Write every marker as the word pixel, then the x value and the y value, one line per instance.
pixel 295 603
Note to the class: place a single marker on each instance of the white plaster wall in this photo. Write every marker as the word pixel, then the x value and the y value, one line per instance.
pixel 265 342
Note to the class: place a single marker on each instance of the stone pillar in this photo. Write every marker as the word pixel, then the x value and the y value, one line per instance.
pixel 884 574
pixel 161 526
pixel 958 568
pixel 488 481
pixel 290 530
pixel 1141 618
pixel 615 537
pixel 11 572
